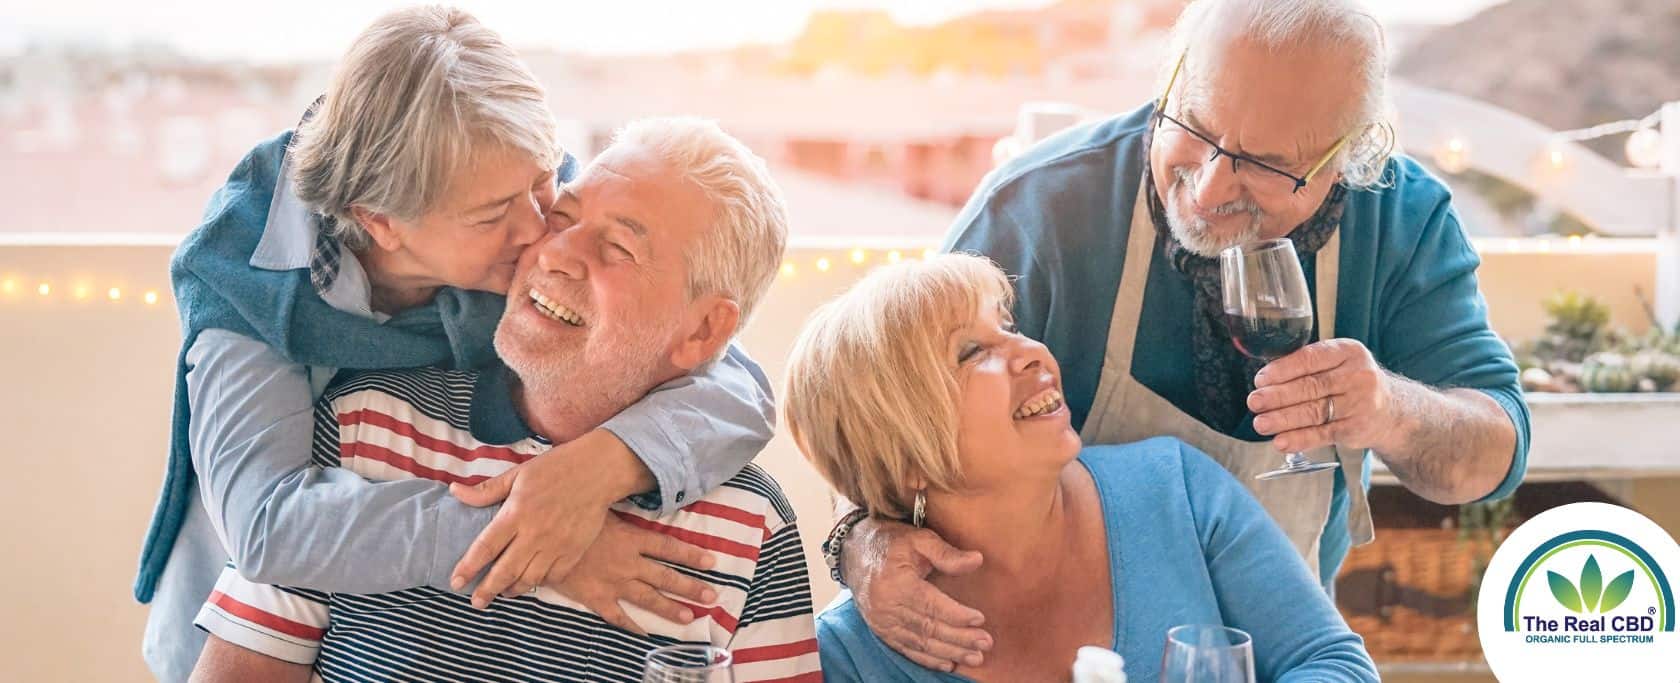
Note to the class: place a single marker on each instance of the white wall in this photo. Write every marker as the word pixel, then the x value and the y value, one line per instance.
pixel 84 409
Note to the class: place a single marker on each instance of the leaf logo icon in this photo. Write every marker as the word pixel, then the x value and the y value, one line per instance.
pixel 1617 591
pixel 1592 584
pixel 1564 591
pixel 1592 595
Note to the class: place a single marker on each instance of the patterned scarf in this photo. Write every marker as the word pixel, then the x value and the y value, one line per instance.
pixel 1224 376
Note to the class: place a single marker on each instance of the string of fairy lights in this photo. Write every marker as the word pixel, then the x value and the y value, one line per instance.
pixel 801 262
pixel 18 289
pixel 856 257
pixel 1643 146
pixel 15 288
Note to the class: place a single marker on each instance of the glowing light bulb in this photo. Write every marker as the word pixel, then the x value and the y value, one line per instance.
pixel 44 289
pixel 822 264
pixel 1455 157
pixel 928 253
pixel 1644 148
pixel 151 298
pixel 858 256
pixel 114 294
pixel 1554 155
pixel 9 286
pixel 893 256
pixel 82 291
pixel 788 270
pixel 1575 242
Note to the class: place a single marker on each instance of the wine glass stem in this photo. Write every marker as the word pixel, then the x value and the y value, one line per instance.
pixel 1297 460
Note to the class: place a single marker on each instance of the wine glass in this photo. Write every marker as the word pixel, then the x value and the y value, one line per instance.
pixel 1269 314
pixel 689 663
pixel 1207 653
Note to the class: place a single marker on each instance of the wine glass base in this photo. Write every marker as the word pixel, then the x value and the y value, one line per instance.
pixel 1288 470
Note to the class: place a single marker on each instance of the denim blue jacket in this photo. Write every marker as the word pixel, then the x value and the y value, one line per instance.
pixel 261 343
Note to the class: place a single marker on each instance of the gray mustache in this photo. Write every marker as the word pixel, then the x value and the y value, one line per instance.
pixel 1184 177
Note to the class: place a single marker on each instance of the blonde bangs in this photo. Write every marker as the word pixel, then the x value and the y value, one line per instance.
pixel 872 390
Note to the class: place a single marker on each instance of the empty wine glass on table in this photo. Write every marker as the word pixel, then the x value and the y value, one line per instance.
pixel 1207 653
pixel 1269 314
pixel 689 664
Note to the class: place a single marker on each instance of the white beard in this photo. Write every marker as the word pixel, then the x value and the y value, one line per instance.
pixel 1196 234
pixel 593 380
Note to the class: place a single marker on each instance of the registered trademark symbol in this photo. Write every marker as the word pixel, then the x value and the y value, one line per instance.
pixel 1650 610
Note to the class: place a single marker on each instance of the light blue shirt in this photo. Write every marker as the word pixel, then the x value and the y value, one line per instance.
pixel 283 521
pixel 1186 545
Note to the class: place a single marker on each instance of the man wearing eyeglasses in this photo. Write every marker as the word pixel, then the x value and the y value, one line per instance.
pixel 1269 124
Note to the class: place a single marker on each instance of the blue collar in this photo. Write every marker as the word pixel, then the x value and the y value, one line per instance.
pixel 288 243
pixel 494 418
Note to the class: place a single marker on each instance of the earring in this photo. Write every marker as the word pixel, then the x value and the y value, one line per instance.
pixel 919 514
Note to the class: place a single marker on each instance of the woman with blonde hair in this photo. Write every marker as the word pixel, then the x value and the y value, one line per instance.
pixel 915 398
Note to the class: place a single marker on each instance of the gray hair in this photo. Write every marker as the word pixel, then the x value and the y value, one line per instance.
pixel 1288 23
pixel 417 92
pixel 742 252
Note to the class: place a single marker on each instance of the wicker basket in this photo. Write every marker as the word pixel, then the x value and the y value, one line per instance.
pixel 1411 594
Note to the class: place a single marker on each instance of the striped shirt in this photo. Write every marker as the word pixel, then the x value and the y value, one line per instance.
pixel 451 426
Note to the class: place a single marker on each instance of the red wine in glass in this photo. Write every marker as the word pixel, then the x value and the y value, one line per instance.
pixel 1269 314
pixel 1268 332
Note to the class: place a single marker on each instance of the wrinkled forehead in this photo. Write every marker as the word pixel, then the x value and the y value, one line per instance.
pixel 1301 95
pixel 632 186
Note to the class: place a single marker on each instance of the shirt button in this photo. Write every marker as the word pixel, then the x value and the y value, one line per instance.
pixel 680 496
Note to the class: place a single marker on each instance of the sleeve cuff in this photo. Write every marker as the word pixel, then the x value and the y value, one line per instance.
pixel 658 451
pixel 211 619
pixel 1517 411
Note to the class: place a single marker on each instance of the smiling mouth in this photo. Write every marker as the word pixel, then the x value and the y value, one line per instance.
pixel 1044 403
pixel 554 310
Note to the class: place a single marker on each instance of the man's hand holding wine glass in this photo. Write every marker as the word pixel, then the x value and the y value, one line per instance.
pixel 1331 392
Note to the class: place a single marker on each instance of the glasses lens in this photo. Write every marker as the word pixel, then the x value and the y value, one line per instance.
pixel 1264 180
pixel 1257 178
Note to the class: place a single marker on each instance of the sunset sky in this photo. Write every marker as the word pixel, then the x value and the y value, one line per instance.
pixel 317 29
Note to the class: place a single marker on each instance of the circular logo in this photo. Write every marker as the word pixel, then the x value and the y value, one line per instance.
pixel 1581 591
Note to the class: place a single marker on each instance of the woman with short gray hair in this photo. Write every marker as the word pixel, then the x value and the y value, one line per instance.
pixel 382 234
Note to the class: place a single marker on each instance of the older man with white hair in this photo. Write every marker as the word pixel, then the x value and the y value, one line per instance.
pixel 383 233
pixel 657 255
pixel 1269 123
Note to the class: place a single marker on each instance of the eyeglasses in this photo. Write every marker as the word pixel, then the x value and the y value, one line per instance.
pixel 1255 174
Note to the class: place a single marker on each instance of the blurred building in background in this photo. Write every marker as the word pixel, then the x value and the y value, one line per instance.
pixel 856 99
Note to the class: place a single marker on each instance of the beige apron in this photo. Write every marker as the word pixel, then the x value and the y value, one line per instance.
pixel 1124 410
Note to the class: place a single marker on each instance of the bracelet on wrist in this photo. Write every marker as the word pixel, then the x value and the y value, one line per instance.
pixel 831 547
